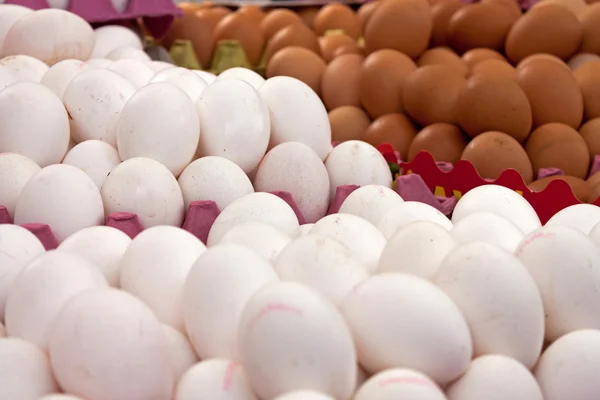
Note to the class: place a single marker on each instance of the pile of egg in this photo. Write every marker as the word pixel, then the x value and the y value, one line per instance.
pixel 385 299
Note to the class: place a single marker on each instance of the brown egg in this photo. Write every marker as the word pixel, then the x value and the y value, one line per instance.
pixel 348 123
pixel 593 183
pixel 575 6
pixel 588 77
pixel 475 56
pixel 403 25
pixel 550 29
pixel 493 103
pixel 195 27
pixel 298 35
pixel 365 11
pixel 242 28
pixel 340 82
pixel 445 142
pixel 512 6
pixel 590 22
pixel 331 44
pixel 582 58
pixel 215 14
pixel 254 12
pixel 494 152
pixel 299 63
pixel 337 16
pixel 278 19
pixel 480 25
pixel 430 93
pixel 381 81
pixel 443 56
pixel 494 67
pixel 580 188
pixel 558 145
pixel 560 101
pixel 590 132
pixel 395 129
pixel 348 49
pixel 544 57
pixel 442 13
pixel 308 15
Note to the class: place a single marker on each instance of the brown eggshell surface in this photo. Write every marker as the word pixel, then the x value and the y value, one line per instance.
pixel 214 15
pixel 395 129
pixel 381 81
pixel 299 63
pixel 475 56
pixel 551 29
pixel 558 145
pixel 442 12
pixel 443 56
pixel 445 142
pixel 340 82
pixel 403 25
pixel 575 6
pixel 308 15
pixel 242 28
pixel 588 78
pixel 580 188
pixel 494 67
pixel 493 103
pixel 330 44
pixel 590 22
pixel 277 19
pixel 254 12
pixel 493 152
pixel 337 16
pixel 580 59
pixel 294 35
pixel 195 27
pixel 511 6
pixel 430 93
pixel 590 132
pixel 593 183
pixel 348 123
pixel 365 11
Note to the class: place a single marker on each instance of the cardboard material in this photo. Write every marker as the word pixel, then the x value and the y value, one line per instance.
pixel 5 216
pixel 44 234
pixel 341 193
pixel 200 217
pixel 127 222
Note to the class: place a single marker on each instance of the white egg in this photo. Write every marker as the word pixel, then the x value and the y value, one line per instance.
pixel 297 114
pixel 180 350
pixel 98 62
pixel 303 395
pixel 24 371
pixel 103 246
pixel 498 298
pixel 15 172
pixel 155 267
pixel 322 263
pixel 192 84
pixel 42 289
pixel 135 71
pixel 498 200
pixel 60 397
pixel 243 74
pixel 263 238
pixel 582 217
pixel 261 207
pixel 392 318
pixel 111 37
pixel 24 68
pixel 63 197
pixel 216 378
pixel 9 14
pixel 207 76
pixel 417 249
pixel 399 384
pixel 495 377
pixel 106 344
pixel 6 78
pixel 50 35
pixel 295 168
pixel 58 77
pixel 490 228
pixel 356 233
pixel 594 233
pixel 128 52
pixel 18 247
pixel 34 123
pixel 2 331
pixel 94 157
pixel 408 212
pixel 158 66
pixel 565 265
pixel 305 229
pixel 220 284
pixel 216 179
pixel 370 202
pixel 144 187
pixel 321 356
pixel 94 99
pixel 234 123
pixel 159 122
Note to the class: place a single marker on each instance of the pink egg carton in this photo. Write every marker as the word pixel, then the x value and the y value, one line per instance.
pixel 158 15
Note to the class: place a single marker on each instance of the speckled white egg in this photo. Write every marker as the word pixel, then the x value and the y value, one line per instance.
pixel 128 52
pixel 192 84
pixel 263 238
pixel 490 228
pixel 208 77
pixel 15 172
pixel 370 202
pixel 243 74
pixel 399 384
pixel 408 212
pixel 9 14
pixel 305 229
pixel 180 351
pixel 24 68
pixel 135 71
pixel 110 37
pixel 58 77
pixel 582 217
pixel 94 157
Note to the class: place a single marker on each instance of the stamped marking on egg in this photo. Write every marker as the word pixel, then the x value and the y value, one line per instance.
pixel 228 378
pixel 273 307
pixel 531 239
pixel 411 380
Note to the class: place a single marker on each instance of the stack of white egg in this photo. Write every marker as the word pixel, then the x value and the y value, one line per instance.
pixel 387 299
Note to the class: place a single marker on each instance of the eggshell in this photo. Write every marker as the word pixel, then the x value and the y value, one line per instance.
pixel 197 26
pixel 261 207
pixel 567 369
pixel 244 74
pixel 581 189
pixel 95 157
pixel 496 67
pixel 24 68
pixel 365 11
pixel 207 76
pixel 590 20
pixel 107 257
pixel 337 16
pixel 34 123
pixel 128 53
pixel 15 171
pixel 286 62
pixel 565 264
pixel 297 114
pixel 180 350
pixel 479 54
pixel 588 77
pixel 322 263
pixel 544 57
pixel 277 19
pixel 42 289
pixel 321 357
pixel 94 100
pixel 59 397
pixel 582 217
pixel 495 377
pixel 543 149
pixel 138 72
pixel 100 330
pixel 243 142
pixel 25 371
pixel 219 285
pixel 407 306
pixel 395 129
pixel 265 239
pixel 580 59
pixel 10 14
pixel 370 202
pixel 489 228
pixel 243 29
pixel 445 142
pixel 215 379
pixel 303 395
pixel 408 212
pixel 60 75
pixel 254 11
pixel 340 81
pixel 399 383
pixel 308 15
pixel 110 37
pixel 589 133
pixel 575 6
pixel 305 229
pixel 551 29
pixel 335 45
pixel 147 188
pixel 192 84
pixel 348 123
pixel 293 35
pixel 445 57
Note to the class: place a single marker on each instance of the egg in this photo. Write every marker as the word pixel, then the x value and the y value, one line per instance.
pixel 208 77
pixel 263 238
pixel 370 202
pixel 243 29
pixel 24 68
pixel 95 157
pixel 15 171
pixel 337 16
pixel 409 212
pixel 340 82
pixel 192 84
pixel 589 19
pixel 493 66
pixel 580 59
pixel 442 12
pixel 589 132
pixel 348 123
pixel 308 15
pixel 489 228
pixel 110 37
pixel 277 19
pixel 583 217
pixel 286 62
pixel 298 35
pixel 60 75
pixel 400 383
pixel 445 142
pixel 395 129
pixel 10 14
pixel 334 45
pixel 588 78
pixel 303 395
pixel 244 74
pixel 197 26
pixel 180 351
pixel 128 53
pixel 580 188
pixel 365 11
pixel 445 57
